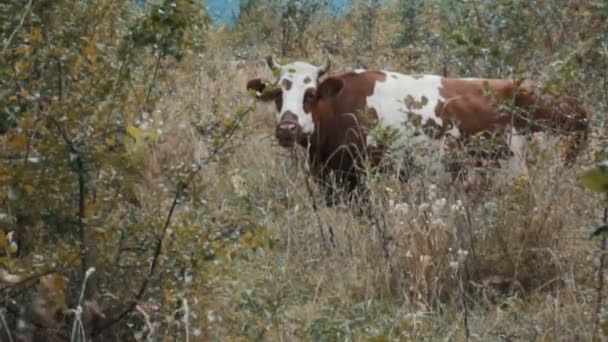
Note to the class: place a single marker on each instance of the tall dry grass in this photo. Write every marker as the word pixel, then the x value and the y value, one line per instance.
pixel 506 259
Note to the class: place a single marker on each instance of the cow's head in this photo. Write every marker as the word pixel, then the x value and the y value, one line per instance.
pixel 294 94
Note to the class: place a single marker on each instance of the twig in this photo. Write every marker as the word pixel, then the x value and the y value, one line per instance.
pixel 157 251
pixel 381 228
pixel 186 318
pixel 463 297
pixel 181 187
pixel 5 326
pixel 315 208
pixel 78 328
pixel 34 277
pixel 10 38
pixel 156 67
pixel 86 249
pixel 600 280
pixel 150 326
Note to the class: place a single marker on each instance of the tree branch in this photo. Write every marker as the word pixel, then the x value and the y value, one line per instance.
pixel 10 38
pixel 181 187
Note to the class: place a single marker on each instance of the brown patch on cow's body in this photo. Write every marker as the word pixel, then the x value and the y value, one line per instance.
pixel 338 142
pixel 474 107
pixel 466 106
pixel 482 106
pixel 352 98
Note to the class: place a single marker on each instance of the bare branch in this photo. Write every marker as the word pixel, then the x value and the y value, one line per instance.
pixel 10 38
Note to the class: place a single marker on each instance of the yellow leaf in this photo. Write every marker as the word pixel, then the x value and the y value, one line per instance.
pixel 56 286
pixel 67 256
pixel 77 62
pixel 23 49
pixel 91 53
pixel 19 66
pixel 17 142
pixel 216 245
pixel 422 306
pixel 53 282
pixel 133 131
pixel 247 240
pixel 55 52
pixel 3 240
pixel 28 189
pixel 110 141
pixel 100 234
pixel 36 36
pixel 6 262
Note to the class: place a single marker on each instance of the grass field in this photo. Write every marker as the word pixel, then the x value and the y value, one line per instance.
pixel 508 258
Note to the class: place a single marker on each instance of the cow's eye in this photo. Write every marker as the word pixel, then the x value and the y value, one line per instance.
pixel 310 95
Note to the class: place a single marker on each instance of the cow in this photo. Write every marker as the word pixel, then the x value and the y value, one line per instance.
pixel 337 118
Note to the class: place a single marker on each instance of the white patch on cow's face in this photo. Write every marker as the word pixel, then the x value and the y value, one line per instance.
pixel 295 79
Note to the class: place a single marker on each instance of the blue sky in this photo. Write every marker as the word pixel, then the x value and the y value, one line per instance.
pixel 224 11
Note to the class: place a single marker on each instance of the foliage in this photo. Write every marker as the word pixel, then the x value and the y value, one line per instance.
pixel 129 145
pixel 76 86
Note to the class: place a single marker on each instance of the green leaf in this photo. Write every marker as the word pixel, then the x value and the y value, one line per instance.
pixel 600 231
pixel 133 131
pixel 596 179
pixel 605 328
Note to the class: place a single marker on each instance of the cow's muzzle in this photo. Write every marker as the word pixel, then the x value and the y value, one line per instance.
pixel 288 130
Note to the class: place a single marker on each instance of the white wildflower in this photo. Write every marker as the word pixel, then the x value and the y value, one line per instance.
pixel 425 259
pixel 462 252
pixel 401 208
pixel 457 207
pixel 240 185
pixel 438 222
pixel 432 191
pixel 490 206
pixel 211 316
pixel 438 206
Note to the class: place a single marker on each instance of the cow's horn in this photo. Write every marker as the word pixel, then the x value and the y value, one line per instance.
pixel 325 68
pixel 271 64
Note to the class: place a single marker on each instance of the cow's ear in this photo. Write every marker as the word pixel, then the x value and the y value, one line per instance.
pixel 329 87
pixel 262 90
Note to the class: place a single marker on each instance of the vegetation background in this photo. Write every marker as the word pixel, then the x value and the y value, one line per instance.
pixel 129 145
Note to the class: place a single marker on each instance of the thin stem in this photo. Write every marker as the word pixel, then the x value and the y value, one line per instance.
pixel 600 280
pixel 181 187
pixel 10 38
pixel 8 332
pixel 313 200
pixel 156 67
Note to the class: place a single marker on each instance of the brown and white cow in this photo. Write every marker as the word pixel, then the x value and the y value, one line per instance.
pixel 331 116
